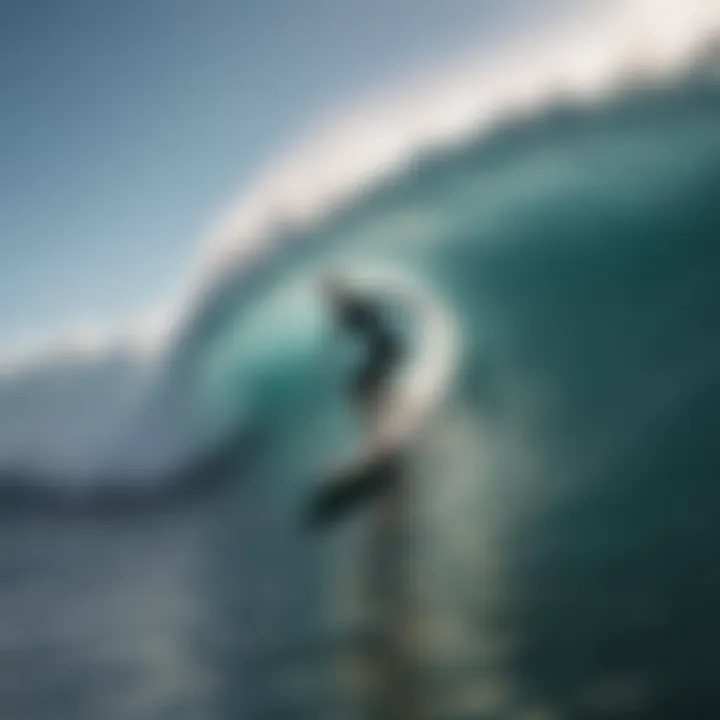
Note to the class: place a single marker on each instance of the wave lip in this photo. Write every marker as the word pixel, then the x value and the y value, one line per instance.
pixel 584 60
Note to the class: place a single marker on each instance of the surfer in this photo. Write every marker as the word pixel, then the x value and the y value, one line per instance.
pixel 362 316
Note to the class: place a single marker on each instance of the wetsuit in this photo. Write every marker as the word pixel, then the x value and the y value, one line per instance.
pixel 383 348
pixel 383 352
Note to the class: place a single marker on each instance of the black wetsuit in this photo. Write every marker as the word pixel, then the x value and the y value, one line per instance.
pixel 383 352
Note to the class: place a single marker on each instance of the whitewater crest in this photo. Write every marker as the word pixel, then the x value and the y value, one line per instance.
pixel 122 412
pixel 585 60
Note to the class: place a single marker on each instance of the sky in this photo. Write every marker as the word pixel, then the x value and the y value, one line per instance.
pixel 127 126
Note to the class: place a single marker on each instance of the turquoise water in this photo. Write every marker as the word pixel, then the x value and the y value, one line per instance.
pixel 567 492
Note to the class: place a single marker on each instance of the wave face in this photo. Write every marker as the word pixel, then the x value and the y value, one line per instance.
pixel 605 210
pixel 580 241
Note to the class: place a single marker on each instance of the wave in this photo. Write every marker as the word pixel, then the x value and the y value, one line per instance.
pixel 505 161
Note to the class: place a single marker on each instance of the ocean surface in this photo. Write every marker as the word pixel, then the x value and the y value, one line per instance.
pixel 567 492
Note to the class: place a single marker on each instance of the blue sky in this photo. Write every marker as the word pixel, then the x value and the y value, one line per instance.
pixel 127 125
